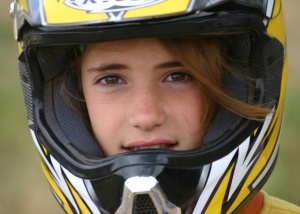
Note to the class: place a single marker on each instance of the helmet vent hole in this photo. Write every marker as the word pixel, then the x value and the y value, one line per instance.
pixel 143 204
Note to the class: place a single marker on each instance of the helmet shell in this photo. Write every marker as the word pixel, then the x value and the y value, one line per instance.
pixel 220 178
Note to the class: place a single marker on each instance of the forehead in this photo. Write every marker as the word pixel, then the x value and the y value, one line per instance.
pixel 127 51
pixel 123 45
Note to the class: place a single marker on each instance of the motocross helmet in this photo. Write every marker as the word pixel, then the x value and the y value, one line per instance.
pixel 238 154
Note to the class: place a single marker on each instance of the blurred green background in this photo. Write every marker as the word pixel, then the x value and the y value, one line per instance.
pixel 23 187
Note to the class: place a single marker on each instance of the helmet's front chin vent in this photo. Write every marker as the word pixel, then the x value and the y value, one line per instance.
pixel 143 204
pixel 143 195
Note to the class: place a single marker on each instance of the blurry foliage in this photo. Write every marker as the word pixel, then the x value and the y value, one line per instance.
pixel 23 187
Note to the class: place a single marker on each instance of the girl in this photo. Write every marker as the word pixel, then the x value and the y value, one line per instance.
pixel 135 86
pixel 169 107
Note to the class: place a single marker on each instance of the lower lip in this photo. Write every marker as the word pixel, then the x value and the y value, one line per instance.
pixel 173 147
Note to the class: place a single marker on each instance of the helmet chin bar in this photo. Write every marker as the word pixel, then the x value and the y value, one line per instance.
pixel 145 185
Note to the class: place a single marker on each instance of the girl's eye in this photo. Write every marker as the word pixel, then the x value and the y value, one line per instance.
pixel 177 77
pixel 110 80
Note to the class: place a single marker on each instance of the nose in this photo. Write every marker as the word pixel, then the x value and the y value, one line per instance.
pixel 147 109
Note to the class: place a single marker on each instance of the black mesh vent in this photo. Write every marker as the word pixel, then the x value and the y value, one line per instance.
pixel 143 205
pixel 27 90
pixel 50 114
pixel 273 65
pixel 73 124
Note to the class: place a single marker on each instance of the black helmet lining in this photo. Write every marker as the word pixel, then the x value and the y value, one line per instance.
pixel 68 126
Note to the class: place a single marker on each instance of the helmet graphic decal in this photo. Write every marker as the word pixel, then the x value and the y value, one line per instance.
pixel 100 6
pixel 215 175
pixel 229 173
pixel 97 11
pixel 65 186
pixel 270 7
pixel 114 9
pixel 246 160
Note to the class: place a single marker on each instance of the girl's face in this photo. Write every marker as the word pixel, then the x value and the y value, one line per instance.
pixel 139 96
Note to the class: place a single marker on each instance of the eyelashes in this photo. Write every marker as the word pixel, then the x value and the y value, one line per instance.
pixel 177 77
pixel 114 80
pixel 110 80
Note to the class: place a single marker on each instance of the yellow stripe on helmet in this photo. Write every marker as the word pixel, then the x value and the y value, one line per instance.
pixel 23 6
pixel 45 150
pixel 59 13
pixel 216 203
pixel 260 164
pixel 166 7
pixel 83 208
pixel 276 25
pixel 277 8
pixel 55 188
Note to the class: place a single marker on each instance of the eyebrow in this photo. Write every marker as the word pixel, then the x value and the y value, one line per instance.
pixel 172 64
pixel 106 67
pixel 117 66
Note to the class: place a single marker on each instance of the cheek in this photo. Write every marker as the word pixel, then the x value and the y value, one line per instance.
pixel 106 119
pixel 188 109
pixel 104 113
pixel 187 114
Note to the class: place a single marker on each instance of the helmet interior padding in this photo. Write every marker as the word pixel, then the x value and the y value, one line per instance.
pixel 66 123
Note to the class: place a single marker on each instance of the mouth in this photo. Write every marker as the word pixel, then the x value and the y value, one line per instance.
pixel 160 146
pixel 154 144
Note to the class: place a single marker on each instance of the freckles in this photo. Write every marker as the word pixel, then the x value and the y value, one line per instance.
pixel 189 109
pixel 186 119
pixel 182 112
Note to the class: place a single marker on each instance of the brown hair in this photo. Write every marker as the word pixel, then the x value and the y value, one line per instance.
pixel 205 59
pixel 71 89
